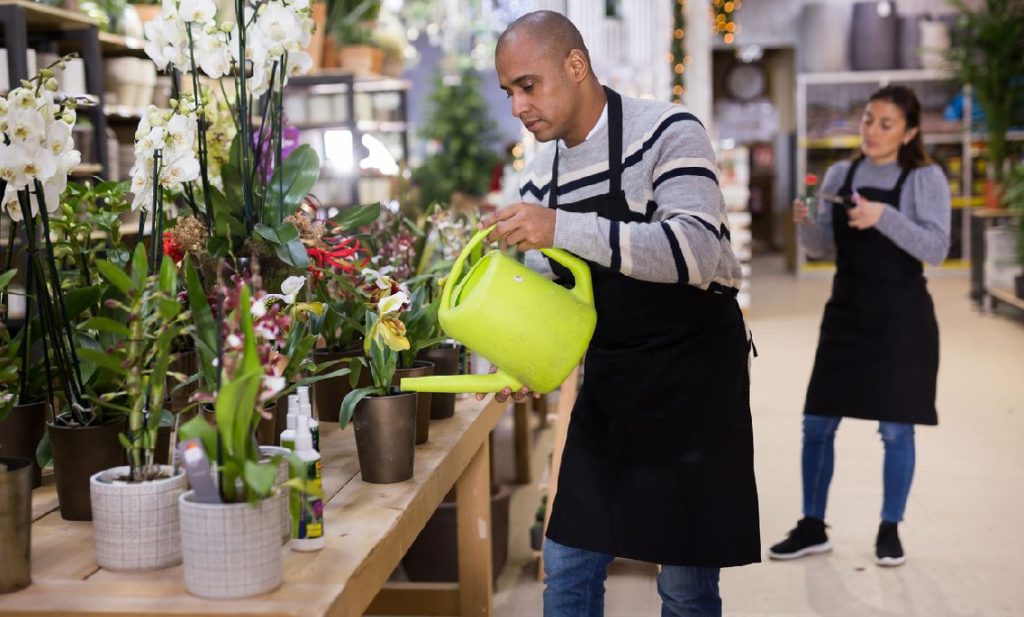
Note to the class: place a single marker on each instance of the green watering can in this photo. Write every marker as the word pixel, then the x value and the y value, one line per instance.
pixel 532 329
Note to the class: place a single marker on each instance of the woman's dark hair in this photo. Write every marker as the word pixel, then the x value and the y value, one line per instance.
pixel 912 154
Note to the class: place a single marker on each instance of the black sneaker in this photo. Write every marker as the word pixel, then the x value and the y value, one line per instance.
pixel 888 549
pixel 808 538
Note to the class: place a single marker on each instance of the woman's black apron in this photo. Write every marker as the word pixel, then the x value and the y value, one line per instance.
pixel 878 354
pixel 659 460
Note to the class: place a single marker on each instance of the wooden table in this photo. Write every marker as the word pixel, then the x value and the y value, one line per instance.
pixel 369 529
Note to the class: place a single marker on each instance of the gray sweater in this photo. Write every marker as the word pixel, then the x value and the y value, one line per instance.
pixel 921 224
pixel 669 175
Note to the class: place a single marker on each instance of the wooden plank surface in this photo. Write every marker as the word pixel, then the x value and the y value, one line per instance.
pixel 37 14
pixel 473 531
pixel 1007 296
pixel 369 528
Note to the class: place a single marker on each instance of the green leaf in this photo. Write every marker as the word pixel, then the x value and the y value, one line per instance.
pixel 169 309
pixel 199 428
pixel 298 354
pixel 217 246
pixel 206 329
pixel 78 300
pixel 357 216
pixel 286 233
pixel 44 450
pixel 115 276
pixel 292 181
pixel 168 277
pixel 105 324
pixel 231 172
pixel 103 359
pixel 227 226
pixel 293 253
pixel 348 405
pixel 6 277
pixel 259 477
pixel 125 442
pixel 222 206
pixel 140 266
pixel 267 233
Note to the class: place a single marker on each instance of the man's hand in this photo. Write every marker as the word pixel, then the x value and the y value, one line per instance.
pixel 524 226
pixel 502 396
pixel 865 214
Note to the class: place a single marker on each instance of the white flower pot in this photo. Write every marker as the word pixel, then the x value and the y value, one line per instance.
pixel 135 525
pixel 231 550
pixel 282 477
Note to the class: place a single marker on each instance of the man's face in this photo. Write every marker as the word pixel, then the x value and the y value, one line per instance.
pixel 542 93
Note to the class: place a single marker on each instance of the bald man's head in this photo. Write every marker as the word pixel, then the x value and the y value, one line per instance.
pixel 551 31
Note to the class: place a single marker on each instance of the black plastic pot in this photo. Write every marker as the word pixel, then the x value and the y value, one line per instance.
pixel 446 362
pixel 78 453
pixel 433 556
pixel 328 394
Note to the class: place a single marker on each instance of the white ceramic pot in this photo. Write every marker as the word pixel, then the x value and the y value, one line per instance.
pixel 231 550
pixel 934 44
pixel 824 37
pixel 282 477
pixel 135 525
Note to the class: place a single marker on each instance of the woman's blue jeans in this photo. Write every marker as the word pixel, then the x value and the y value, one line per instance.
pixel 574 585
pixel 818 461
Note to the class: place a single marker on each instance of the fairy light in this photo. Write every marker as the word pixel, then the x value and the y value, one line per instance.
pixel 677 58
pixel 724 19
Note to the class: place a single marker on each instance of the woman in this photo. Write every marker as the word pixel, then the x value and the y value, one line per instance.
pixel 878 354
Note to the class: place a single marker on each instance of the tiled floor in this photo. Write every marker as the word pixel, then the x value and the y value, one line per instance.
pixel 963 534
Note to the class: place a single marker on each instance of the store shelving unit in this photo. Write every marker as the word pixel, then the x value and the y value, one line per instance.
pixel 828 110
pixel 336 100
pixel 44 28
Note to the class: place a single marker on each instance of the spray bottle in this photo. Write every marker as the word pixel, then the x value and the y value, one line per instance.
pixel 288 434
pixel 307 509
pixel 305 409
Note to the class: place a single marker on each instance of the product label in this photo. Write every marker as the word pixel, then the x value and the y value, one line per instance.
pixel 307 510
pixel 315 432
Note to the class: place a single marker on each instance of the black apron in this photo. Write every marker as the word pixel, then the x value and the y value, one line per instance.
pixel 659 460
pixel 878 354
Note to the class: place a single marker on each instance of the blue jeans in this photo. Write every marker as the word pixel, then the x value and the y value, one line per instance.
pixel 818 460
pixel 574 585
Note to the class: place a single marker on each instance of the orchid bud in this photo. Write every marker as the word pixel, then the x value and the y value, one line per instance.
pixel 51 85
pixel 46 73
pixel 173 102
pixel 226 26
pixel 68 117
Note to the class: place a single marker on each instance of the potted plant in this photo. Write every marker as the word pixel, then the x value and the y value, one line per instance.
pixel 15 523
pixel 36 156
pixel 1013 198
pixel 21 424
pixel 351 35
pixel 135 507
pixel 384 417
pixel 232 548
pixel 460 125
pixel 423 332
pixel 988 56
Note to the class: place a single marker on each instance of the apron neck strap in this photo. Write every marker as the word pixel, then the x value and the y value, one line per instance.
pixel 899 183
pixel 847 188
pixel 614 150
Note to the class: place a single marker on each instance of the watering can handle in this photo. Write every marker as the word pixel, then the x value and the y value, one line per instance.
pixel 583 289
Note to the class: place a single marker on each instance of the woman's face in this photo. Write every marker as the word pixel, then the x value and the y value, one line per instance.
pixel 883 129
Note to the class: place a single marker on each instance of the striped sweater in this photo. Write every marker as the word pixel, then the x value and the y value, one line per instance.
pixel 669 175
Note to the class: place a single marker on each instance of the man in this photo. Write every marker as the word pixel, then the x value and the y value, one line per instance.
pixel 658 463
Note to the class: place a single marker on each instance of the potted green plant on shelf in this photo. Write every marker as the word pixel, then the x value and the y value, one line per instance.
pixel 459 124
pixel 135 507
pixel 988 56
pixel 232 548
pixel 35 158
pixel 1013 198
pixel 384 417
pixel 350 30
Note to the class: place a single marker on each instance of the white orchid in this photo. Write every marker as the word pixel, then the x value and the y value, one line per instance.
pixel 393 303
pixel 289 290
pixel 197 11
pixel 174 135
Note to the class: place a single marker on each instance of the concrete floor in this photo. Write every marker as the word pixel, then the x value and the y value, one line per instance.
pixel 963 533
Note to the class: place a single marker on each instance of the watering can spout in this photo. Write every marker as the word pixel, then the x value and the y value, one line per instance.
pixel 457 384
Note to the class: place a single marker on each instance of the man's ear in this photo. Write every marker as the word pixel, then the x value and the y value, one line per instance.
pixel 577 66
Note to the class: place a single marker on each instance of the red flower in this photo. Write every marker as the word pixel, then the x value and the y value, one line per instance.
pixel 339 254
pixel 172 248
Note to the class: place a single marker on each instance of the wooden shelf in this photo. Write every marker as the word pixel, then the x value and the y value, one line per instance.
pixel 848 77
pixel 117 45
pixel 1006 296
pixel 86 170
pixel 123 112
pixel 844 142
pixel 988 213
pixel 47 17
